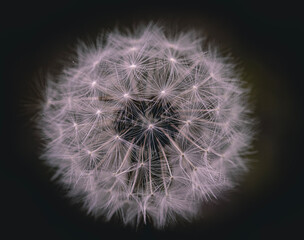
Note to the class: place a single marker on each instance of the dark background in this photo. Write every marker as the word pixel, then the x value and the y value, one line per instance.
pixel 266 37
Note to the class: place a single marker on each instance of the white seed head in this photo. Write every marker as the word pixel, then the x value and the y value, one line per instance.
pixel 144 135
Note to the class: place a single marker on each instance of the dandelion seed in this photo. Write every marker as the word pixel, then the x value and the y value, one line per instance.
pixel 132 66
pixel 170 136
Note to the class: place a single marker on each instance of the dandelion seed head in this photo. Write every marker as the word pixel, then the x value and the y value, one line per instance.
pixel 141 137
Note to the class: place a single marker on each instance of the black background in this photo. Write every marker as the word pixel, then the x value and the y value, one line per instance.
pixel 266 37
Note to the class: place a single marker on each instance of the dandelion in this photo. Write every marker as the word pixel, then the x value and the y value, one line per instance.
pixel 146 126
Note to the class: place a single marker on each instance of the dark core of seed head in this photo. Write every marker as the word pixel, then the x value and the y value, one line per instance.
pixel 131 123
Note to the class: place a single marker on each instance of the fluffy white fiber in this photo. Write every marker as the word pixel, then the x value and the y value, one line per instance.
pixel 146 125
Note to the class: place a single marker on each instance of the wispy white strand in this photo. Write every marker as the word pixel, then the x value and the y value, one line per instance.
pixel 146 126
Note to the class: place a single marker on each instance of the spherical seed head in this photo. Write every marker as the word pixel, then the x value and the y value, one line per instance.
pixel 147 126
